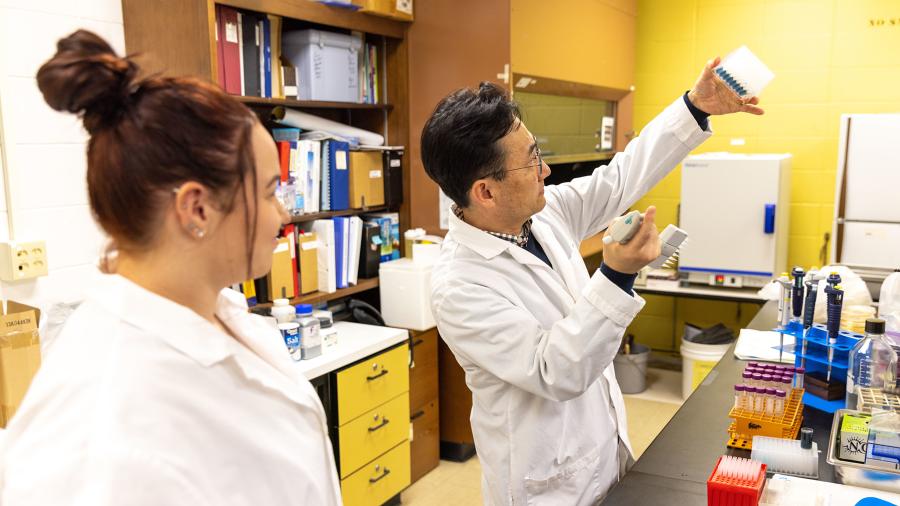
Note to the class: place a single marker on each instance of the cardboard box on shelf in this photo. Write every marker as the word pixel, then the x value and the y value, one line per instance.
pixel 20 355
pixel 396 9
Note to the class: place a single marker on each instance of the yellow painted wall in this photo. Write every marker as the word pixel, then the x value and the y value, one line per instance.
pixel 585 41
pixel 829 57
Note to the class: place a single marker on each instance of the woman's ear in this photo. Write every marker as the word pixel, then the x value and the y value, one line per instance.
pixel 194 209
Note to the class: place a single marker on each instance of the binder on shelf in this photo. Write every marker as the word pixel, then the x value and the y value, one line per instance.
pixel 325 255
pixel 311 172
pixel 325 173
pixel 291 234
pixel 275 59
pixel 250 54
pixel 220 43
pixel 230 63
pixel 366 179
pixel 393 178
pixel 356 225
pixel 308 245
pixel 370 251
pixel 262 290
pixel 281 279
pixel 267 56
pixel 340 247
pixel 249 290
pixel 339 175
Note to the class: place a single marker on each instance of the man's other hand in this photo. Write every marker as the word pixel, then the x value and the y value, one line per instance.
pixel 712 96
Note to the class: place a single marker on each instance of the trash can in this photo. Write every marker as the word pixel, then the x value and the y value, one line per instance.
pixel 631 369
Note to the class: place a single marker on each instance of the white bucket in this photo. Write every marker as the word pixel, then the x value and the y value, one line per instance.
pixel 696 362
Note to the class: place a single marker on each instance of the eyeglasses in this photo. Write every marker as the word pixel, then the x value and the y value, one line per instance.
pixel 538 162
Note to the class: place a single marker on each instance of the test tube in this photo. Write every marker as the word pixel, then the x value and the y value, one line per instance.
pixel 752 364
pixel 747 376
pixel 759 401
pixel 798 378
pixel 738 394
pixel 746 403
pixel 786 382
pixel 757 379
pixel 779 402
pixel 767 380
pixel 770 402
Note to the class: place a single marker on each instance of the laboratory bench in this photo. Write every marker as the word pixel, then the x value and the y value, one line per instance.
pixel 674 469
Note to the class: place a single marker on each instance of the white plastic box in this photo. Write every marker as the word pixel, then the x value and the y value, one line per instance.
pixel 405 288
pixel 327 63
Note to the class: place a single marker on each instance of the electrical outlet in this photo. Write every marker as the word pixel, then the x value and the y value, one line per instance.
pixel 22 260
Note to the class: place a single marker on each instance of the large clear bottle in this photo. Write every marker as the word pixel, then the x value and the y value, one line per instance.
pixel 872 363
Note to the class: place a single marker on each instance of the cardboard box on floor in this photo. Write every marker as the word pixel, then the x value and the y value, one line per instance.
pixel 20 355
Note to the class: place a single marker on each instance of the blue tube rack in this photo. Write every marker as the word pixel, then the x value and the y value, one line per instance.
pixel 817 357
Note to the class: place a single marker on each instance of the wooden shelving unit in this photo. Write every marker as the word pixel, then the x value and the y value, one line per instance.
pixel 302 218
pixel 311 104
pixel 319 297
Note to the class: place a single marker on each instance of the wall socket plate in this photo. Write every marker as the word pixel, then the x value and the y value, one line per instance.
pixel 22 260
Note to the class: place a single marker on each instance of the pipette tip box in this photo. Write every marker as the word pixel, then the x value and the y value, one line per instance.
pixel 727 490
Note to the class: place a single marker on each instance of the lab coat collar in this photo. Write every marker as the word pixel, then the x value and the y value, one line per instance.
pixel 489 246
pixel 158 315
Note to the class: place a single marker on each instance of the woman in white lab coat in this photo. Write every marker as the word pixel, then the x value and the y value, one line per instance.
pixel 535 332
pixel 161 389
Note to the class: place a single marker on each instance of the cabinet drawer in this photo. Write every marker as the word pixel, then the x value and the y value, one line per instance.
pixel 423 375
pixel 372 382
pixel 379 480
pixel 373 433
pixel 425 447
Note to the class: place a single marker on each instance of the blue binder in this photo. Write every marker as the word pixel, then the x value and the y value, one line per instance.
pixel 340 237
pixel 267 51
pixel 339 174
pixel 325 193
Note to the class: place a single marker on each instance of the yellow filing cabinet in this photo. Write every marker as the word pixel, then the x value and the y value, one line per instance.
pixel 378 481
pixel 373 428
pixel 372 382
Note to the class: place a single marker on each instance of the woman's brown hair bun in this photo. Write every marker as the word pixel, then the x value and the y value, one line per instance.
pixel 86 77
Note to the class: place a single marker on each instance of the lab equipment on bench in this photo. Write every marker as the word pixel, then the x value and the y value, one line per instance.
pixel 809 310
pixel 872 362
pixel 835 304
pixel 857 436
pixel 744 73
pixel 765 404
pixel 622 229
pixel 735 480
pixel 784 310
pixel 737 209
pixel 788 456
pixel 798 274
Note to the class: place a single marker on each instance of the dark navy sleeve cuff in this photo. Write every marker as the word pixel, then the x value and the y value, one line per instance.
pixel 701 117
pixel 620 279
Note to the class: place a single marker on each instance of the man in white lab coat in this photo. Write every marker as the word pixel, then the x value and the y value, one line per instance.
pixel 535 332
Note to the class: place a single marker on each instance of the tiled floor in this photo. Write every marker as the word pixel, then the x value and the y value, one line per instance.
pixel 648 412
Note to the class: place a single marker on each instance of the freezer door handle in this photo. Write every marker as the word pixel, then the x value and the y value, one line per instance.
pixel 769 222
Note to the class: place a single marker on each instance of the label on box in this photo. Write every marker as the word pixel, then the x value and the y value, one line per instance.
pixel 340 160
pixel 405 6
pixel 853 438
pixel 306 246
pixel 374 174
pixel 395 162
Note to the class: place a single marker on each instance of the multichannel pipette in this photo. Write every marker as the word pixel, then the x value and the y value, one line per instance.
pixel 671 239
pixel 798 274
pixel 835 303
pixel 809 311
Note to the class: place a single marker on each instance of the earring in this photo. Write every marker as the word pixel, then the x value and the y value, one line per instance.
pixel 197 231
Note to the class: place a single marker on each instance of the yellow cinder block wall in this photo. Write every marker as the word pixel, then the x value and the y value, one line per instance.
pixel 829 57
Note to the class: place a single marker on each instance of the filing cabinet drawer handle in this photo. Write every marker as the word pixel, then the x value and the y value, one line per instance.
pixel 385 473
pixel 384 421
pixel 417 414
pixel 373 378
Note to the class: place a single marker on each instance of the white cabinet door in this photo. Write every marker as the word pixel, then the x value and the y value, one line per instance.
pixel 723 210
pixel 873 168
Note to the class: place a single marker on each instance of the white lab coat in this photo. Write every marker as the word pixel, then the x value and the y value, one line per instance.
pixel 537 343
pixel 143 402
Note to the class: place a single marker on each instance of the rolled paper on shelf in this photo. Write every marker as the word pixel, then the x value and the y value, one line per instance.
pixel 309 122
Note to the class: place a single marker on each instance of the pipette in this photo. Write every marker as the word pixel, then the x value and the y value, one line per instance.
pixel 622 229
pixel 809 311
pixel 835 303
pixel 784 308
pixel 798 274
pixel 834 279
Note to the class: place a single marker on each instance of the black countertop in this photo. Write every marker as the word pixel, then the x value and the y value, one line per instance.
pixel 675 467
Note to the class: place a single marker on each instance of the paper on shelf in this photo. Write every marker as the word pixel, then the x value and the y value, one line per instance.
pixel 306 121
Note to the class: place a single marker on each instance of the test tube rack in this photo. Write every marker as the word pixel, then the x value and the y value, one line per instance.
pixel 748 423
pixel 817 349
pixel 876 399
pixel 729 489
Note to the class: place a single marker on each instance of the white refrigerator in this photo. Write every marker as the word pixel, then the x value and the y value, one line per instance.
pixel 735 209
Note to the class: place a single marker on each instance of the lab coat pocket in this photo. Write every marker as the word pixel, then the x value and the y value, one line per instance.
pixel 575 483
